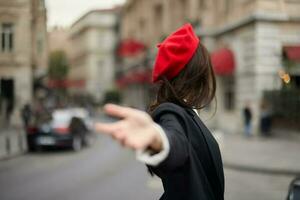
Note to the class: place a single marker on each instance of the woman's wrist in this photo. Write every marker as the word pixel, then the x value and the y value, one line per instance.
pixel 157 143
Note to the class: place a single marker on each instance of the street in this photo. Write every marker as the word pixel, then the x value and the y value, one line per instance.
pixel 249 186
pixel 106 171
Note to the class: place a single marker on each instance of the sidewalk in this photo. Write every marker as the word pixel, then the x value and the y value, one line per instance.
pixel 273 155
pixel 12 142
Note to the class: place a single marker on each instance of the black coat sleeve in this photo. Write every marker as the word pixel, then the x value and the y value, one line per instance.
pixel 178 141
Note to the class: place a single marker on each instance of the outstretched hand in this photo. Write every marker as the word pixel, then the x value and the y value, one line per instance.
pixel 135 130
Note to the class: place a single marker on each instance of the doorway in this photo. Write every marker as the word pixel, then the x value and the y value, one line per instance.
pixel 7 97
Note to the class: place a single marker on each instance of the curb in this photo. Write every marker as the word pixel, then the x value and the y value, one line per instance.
pixel 15 143
pixel 261 170
pixel 12 156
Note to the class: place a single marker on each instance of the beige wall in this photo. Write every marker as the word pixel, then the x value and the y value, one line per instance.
pixel 40 36
pixel 150 20
pixel 30 46
pixel 93 39
pixel 59 40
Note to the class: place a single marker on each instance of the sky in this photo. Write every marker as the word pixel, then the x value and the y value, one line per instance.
pixel 65 12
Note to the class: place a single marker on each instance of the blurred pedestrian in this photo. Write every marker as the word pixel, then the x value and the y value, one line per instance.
pixel 9 107
pixel 247 114
pixel 26 114
pixel 265 119
pixel 174 143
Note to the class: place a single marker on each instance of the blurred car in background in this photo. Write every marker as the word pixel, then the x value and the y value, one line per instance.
pixel 294 189
pixel 70 127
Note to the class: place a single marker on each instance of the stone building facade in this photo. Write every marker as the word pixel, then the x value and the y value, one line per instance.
pixel 59 39
pixel 23 52
pixel 93 38
pixel 254 31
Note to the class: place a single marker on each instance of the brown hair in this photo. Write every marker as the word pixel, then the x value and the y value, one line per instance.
pixel 193 87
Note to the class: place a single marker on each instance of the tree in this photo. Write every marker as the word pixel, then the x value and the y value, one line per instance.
pixel 58 72
pixel 112 96
pixel 58 65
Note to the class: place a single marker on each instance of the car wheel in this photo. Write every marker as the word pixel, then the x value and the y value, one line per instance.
pixel 76 143
pixel 31 148
pixel 38 148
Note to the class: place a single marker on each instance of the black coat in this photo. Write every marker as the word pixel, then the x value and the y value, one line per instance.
pixel 193 169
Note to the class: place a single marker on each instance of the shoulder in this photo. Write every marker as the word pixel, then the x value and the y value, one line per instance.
pixel 169 109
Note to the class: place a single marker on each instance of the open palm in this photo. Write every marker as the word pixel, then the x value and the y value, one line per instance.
pixel 135 129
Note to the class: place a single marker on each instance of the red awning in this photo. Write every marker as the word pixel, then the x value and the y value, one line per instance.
pixel 292 52
pixel 130 47
pixel 140 77
pixel 135 77
pixel 66 83
pixel 122 82
pixel 223 61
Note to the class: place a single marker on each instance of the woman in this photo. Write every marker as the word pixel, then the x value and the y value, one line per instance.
pixel 172 141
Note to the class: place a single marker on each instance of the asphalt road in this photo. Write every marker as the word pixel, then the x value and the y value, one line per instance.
pixel 103 171
pixel 107 172
pixel 242 185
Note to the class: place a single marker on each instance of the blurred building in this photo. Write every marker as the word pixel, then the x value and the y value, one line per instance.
pixel 59 44
pixel 23 51
pixel 59 39
pixel 93 38
pixel 248 41
pixel 133 72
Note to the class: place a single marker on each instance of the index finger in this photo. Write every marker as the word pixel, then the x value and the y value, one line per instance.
pixel 118 111
pixel 107 128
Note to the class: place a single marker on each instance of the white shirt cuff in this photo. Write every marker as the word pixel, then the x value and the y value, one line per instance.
pixel 154 160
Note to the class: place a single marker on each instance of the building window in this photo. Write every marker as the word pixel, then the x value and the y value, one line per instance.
pixel 40 46
pixel 142 28
pixel 158 18
pixel 291 64
pixel 42 4
pixel 101 68
pixel 183 10
pixel 229 93
pixel 201 4
pixel 229 100
pixel 228 6
pixel 7 37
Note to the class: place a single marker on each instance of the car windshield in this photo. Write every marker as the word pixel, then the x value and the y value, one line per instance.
pixel 61 118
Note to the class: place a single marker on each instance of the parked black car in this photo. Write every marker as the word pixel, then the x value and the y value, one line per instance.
pixel 65 128
pixel 294 189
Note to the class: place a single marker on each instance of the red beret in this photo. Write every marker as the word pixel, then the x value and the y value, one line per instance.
pixel 175 52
